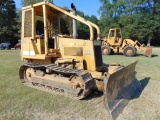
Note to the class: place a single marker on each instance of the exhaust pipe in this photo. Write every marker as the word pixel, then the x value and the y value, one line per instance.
pixel 74 21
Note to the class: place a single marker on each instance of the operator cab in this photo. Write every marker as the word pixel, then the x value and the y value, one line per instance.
pixel 115 37
pixel 42 24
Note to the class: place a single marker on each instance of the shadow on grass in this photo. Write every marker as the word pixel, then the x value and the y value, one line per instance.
pixel 154 55
pixel 117 54
pixel 143 84
pixel 115 106
pixel 94 94
pixel 138 55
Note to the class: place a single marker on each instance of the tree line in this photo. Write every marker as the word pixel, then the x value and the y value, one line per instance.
pixel 9 21
pixel 139 19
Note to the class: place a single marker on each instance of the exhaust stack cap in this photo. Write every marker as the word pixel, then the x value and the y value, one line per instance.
pixel 74 21
pixel 73 7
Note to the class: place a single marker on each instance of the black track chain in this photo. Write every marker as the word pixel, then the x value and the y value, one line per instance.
pixel 84 75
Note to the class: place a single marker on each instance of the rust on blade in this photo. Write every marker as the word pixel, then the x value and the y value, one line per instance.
pixel 148 52
pixel 119 87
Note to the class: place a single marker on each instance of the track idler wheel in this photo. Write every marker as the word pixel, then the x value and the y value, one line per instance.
pixel 26 74
pixel 29 72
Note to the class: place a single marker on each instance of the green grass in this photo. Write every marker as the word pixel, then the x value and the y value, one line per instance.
pixel 19 102
pixel 146 67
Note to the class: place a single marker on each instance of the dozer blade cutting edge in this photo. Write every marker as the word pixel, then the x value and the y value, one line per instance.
pixel 119 87
pixel 148 51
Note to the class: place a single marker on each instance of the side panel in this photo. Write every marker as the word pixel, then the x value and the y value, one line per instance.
pixel 90 55
pixel 111 41
pixel 79 50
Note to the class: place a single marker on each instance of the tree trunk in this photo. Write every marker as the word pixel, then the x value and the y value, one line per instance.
pixel 149 42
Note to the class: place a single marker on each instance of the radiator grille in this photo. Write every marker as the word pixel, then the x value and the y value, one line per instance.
pixel 28 24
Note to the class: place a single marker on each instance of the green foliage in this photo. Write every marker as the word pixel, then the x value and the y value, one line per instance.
pixel 29 2
pixel 82 29
pixel 139 19
pixel 9 25
pixel 64 25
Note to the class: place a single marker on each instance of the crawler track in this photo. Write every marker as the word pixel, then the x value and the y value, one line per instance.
pixel 47 84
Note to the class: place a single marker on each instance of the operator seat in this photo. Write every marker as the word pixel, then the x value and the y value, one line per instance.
pixel 40 31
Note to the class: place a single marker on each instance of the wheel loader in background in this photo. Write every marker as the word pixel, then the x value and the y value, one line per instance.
pixel 61 63
pixel 116 44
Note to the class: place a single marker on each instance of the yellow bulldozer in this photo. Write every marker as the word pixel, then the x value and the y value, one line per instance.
pixel 63 64
pixel 116 44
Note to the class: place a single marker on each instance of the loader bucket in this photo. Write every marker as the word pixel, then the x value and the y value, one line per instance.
pixel 148 51
pixel 119 87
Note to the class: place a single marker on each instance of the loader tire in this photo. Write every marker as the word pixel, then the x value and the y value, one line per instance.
pixel 106 50
pixel 129 51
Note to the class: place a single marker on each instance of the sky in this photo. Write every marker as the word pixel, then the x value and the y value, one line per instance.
pixel 89 7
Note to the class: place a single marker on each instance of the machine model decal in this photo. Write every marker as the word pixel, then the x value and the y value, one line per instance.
pixel 89 52
pixel 31 53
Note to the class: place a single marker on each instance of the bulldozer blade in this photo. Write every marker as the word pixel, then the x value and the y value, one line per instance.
pixel 119 87
pixel 148 52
